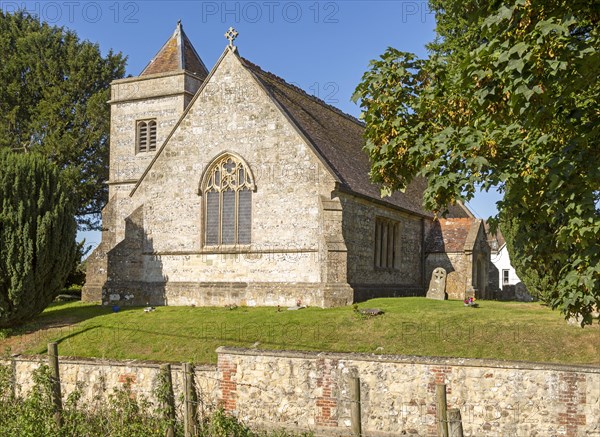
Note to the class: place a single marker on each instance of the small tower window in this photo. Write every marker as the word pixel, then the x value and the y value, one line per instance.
pixel 146 136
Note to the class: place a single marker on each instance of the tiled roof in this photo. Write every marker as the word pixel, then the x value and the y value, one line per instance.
pixel 339 139
pixel 496 241
pixel 177 54
pixel 451 235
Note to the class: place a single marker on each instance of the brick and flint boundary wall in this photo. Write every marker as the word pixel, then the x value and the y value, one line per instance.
pixel 310 391
pixel 98 379
pixel 305 390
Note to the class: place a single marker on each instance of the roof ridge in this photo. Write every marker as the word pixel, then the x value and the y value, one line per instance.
pixel 163 59
pixel 183 38
pixel 300 90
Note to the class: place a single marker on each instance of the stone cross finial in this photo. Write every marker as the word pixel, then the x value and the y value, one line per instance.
pixel 231 35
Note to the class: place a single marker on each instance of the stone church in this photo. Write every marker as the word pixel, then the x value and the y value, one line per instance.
pixel 231 186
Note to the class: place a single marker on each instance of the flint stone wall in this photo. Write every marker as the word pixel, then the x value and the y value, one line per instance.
pixel 496 398
pixel 310 391
pixel 97 379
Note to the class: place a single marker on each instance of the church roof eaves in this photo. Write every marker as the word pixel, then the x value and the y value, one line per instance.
pixel 273 76
pixel 339 140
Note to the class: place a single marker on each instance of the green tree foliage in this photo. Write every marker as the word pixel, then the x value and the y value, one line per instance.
pixel 539 278
pixel 37 235
pixel 508 99
pixel 53 100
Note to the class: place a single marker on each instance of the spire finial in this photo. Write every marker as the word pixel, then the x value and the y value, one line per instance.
pixel 231 35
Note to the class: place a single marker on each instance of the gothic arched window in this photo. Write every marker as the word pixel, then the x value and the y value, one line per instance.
pixel 227 187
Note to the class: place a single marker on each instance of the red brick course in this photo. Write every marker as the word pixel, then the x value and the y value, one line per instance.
pixel 437 375
pixel 127 378
pixel 327 403
pixel 571 394
pixel 227 384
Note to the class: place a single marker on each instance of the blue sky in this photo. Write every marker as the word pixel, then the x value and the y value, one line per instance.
pixel 323 47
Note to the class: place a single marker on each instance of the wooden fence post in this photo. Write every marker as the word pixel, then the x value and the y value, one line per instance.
pixel 191 402
pixel 455 427
pixel 169 407
pixel 55 381
pixel 355 410
pixel 441 413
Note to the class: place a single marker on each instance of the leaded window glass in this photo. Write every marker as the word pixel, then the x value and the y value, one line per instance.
pixel 228 204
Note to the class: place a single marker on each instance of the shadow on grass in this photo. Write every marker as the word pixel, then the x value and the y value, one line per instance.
pixel 65 338
pixel 63 316
pixel 275 335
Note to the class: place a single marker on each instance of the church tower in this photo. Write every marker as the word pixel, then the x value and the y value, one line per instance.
pixel 143 110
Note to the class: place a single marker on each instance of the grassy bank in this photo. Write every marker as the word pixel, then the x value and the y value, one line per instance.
pixel 411 326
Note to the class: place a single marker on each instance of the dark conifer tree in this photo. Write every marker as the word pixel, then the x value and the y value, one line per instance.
pixel 37 234
pixel 54 91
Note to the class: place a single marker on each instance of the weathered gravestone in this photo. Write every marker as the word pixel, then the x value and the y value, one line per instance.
pixel 521 293
pixel 437 285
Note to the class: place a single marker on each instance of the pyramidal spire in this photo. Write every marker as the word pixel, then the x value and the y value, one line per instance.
pixel 177 54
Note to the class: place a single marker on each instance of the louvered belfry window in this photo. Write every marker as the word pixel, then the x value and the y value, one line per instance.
pixel 146 136
pixel 228 203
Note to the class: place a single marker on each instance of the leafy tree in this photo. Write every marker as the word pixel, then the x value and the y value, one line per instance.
pixel 539 278
pixel 53 101
pixel 37 235
pixel 508 99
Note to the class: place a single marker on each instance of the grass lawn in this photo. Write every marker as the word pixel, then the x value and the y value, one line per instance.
pixel 410 326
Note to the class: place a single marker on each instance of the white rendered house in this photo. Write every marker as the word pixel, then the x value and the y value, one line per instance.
pixel 502 275
pixel 506 272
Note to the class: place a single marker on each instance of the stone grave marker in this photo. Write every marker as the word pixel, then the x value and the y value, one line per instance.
pixel 437 285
